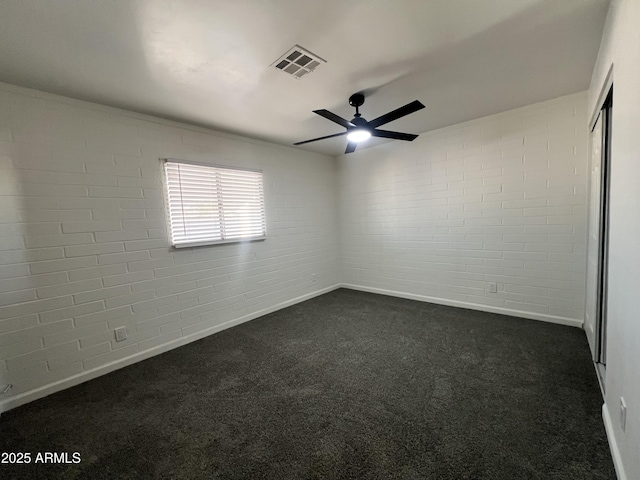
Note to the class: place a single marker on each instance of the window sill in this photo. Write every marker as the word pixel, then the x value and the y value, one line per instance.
pixel 210 243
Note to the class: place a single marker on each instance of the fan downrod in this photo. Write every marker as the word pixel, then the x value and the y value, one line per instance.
pixel 356 100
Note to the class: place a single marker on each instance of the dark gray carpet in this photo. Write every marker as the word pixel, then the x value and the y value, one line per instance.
pixel 348 385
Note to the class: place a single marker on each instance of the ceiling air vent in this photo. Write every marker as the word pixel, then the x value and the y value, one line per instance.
pixel 297 62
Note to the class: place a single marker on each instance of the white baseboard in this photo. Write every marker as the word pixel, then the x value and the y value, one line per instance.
pixel 613 445
pixel 30 396
pixel 26 397
pixel 572 322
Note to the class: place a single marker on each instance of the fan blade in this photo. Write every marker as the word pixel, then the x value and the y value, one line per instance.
pixel 334 118
pixel 351 147
pixel 321 138
pixel 410 137
pixel 397 113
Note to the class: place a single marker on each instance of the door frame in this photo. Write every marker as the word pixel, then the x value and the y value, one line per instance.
pixel 600 353
pixel 602 107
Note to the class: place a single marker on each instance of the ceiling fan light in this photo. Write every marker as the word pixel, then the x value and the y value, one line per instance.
pixel 358 135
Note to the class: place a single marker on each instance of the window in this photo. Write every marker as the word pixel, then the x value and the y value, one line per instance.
pixel 209 204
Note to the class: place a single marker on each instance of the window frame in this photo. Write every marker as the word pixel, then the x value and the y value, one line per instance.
pixel 212 242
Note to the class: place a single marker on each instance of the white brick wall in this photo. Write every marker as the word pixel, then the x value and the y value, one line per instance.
pixel 499 199
pixel 83 246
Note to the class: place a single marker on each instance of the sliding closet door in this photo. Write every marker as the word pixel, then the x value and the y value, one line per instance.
pixel 598 240
pixel 593 250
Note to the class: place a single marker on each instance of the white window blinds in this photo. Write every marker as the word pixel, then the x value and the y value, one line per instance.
pixel 210 205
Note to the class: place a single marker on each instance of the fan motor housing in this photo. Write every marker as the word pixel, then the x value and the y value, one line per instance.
pixel 359 122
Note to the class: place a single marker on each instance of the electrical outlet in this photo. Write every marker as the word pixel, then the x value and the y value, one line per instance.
pixel 623 414
pixel 493 288
pixel 121 334
pixel 313 278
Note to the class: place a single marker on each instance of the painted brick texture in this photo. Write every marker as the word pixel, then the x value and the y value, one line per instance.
pixel 84 247
pixel 496 200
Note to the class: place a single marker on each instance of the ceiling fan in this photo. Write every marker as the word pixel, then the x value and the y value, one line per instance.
pixel 359 129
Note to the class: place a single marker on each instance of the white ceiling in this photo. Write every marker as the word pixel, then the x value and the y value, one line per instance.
pixel 207 62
